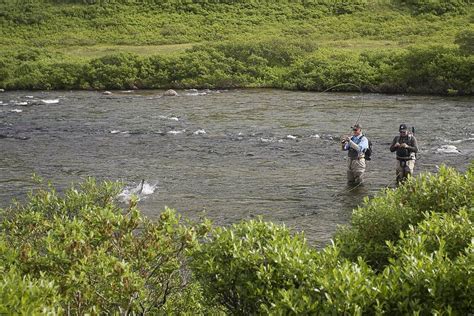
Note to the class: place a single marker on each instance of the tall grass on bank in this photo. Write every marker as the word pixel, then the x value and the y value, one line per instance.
pixel 309 45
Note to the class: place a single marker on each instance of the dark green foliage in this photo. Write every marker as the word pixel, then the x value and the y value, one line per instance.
pixel 431 265
pixel 244 268
pixel 465 40
pixel 83 253
pixel 438 7
pixel 250 64
pixel 325 69
pixel 114 71
pixel 98 256
pixel 29 13
pixel 434 69
pixel 382 218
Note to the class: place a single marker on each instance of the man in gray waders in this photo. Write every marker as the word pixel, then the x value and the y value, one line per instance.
pixel 406 147
pixel 356 145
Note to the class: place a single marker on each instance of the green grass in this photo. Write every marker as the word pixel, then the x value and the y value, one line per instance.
pixel 247 34
pixel 95 51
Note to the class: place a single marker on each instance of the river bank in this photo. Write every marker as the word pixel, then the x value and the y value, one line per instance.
pixel 379 46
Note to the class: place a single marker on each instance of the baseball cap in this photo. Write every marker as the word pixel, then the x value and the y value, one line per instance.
pixel 403 127
pixel 357 126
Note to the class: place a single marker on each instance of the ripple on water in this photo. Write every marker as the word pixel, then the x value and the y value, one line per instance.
pixel 225 153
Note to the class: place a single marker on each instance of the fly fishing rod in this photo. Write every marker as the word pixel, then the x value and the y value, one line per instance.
pixel 353 85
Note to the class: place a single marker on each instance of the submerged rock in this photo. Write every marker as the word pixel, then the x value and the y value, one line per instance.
pixel 170 93
pixel 106 93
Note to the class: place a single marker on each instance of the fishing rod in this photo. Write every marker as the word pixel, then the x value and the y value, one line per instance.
pixel 353 85
pixel 343 84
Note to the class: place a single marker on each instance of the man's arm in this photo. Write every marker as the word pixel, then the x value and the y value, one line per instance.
pixel 394 145
pixel 413 145
pixel 362 146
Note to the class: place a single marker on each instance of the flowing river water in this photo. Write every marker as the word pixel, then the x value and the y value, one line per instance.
pixel 233 154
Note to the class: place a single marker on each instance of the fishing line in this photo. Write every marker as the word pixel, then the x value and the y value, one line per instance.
pixel 361 95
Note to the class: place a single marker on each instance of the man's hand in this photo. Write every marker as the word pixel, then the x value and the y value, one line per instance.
pixel 403 145
pixel 396 145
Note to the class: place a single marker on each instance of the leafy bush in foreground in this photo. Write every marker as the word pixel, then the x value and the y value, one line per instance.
pixel 260 268
pixel 21 295
pixel 100 257
pixel 409 251
pixel 381 218
pixel 431 265
pixel 244 267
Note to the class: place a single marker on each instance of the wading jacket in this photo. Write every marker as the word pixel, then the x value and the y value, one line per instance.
pixel 407 153
pixel 357 146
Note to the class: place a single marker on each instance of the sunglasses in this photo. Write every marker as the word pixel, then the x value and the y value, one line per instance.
pixel 355 129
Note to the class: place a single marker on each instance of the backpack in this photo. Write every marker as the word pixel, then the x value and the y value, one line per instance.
pixel 368 151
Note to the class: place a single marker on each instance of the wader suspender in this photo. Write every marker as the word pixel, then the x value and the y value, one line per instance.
pixel 403 163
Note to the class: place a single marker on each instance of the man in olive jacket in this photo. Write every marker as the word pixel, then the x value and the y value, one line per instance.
pixel 406 147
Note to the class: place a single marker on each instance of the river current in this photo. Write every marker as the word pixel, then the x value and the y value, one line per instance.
pixel 229 155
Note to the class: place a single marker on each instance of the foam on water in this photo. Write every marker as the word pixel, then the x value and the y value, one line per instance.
pixel 51 101
pixel 458 141
pixel 176 132
pixel 448 149
pixel 140 190
pixel 171 118
pixel 199 132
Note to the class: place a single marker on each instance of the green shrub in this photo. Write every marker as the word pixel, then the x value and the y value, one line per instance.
pixel 22 295
pixel 119 71
pixel 84 253
pixel 244 267
pixel 436 7
pixel 465 40
pixel 327 68
pixel 430 268
pixel 381 218
pixel 436 69
pixel 102 257
pixel 333 288
pixel 256 267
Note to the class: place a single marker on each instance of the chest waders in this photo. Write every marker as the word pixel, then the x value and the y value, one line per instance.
pixel 406 160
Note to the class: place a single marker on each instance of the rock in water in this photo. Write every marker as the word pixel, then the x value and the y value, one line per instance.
pixel 170 93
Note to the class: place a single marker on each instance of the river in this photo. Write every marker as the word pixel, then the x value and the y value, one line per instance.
pixel 233 154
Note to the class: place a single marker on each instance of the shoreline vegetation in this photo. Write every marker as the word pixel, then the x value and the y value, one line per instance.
pixel 406 251
pixel 384 46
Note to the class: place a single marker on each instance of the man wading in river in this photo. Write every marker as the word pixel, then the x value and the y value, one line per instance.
pixel 356 145
pixel 406 147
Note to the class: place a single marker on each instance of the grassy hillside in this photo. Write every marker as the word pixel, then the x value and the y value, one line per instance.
pixel 299 44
